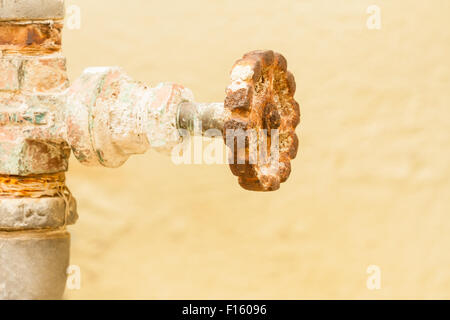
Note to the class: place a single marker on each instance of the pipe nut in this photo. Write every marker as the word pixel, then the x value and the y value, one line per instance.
pixel 106 116
pixel 11 10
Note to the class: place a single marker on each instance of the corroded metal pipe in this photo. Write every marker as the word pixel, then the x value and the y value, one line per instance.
pixel 104 117
pixel 35 204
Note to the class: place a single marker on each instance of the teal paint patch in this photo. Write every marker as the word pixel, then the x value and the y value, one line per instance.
pixel 39 118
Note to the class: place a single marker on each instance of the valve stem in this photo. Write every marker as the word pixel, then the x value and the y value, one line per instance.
pixel 200 117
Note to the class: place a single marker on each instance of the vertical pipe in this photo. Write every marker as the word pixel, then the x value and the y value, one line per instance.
pixel 35 204
pixel 33 264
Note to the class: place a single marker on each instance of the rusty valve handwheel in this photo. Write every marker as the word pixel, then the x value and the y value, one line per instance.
pixel 261 100
pixel 258 120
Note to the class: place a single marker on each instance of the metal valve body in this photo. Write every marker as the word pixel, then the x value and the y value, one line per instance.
pixel 103 117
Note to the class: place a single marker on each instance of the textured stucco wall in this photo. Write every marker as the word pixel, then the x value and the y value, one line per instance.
pixel 370 186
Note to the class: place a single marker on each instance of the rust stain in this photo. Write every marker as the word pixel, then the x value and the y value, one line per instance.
pixel 30 38
pixel 34 186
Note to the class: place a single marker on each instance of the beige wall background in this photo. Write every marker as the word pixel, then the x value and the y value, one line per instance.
pixel 371 184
